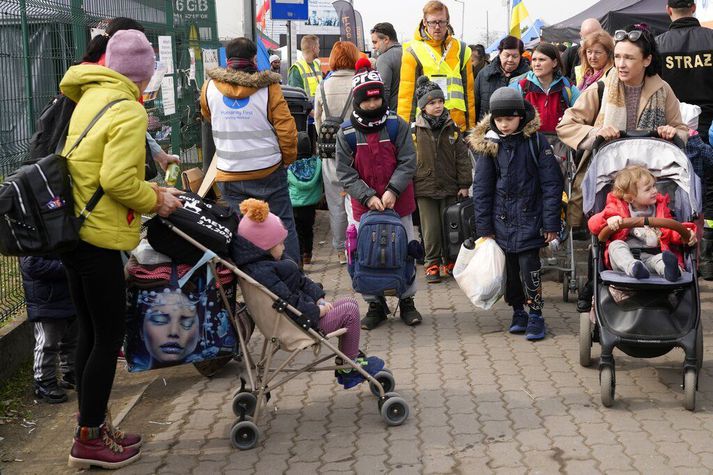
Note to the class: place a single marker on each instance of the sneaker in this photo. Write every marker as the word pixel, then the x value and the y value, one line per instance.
pixel 447 270
pixel 125 439
pixel 374 316
pixel 639 270
pixel 535 327
pixel 350 378
pixel 584 300
pixel 408 312
pixel 433 276
pixel 671 271
pixel 342 255
pixel 101 452
pixel 68 381
pixel 50 392
pixel 519 322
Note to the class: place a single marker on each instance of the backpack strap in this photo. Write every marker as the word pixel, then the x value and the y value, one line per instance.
pixel 350 133
pixel 346 106
pixel 324 99
pixel 89 207
pixel 600 94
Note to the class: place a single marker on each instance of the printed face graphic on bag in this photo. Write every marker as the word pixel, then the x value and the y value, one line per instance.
pixel 171 327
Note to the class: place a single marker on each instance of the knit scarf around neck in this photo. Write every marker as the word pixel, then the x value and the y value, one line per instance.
pixel 242 64
pixel 436 122
pixel 369 121
pixel 613 110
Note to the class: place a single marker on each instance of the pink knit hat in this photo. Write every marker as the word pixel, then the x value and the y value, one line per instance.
pixel 259 226
pixel 130 53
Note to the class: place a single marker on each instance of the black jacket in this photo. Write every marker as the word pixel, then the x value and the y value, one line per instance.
pixel 686 52
pixel 46 289
pixel 515 197
pixel 284 278
pixel 491 78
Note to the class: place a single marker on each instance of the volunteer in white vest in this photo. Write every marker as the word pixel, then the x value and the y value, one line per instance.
pixel 255 136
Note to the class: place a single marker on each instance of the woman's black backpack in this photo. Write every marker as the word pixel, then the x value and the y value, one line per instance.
pixel 327 138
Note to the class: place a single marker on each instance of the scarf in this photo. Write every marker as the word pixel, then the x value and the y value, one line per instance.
pixel 436 122
pixel 590 77
pixel 242 64
pixel 613 110
pixel 369 122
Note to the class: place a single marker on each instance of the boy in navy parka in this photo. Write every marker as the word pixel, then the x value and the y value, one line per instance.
pixel 517 198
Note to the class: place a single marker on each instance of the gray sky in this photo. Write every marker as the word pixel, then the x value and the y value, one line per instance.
pixel 405 14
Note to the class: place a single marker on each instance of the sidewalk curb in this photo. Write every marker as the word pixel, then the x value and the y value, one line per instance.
pixel 16 345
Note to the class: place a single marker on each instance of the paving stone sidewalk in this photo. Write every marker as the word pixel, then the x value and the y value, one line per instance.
pixel 482 401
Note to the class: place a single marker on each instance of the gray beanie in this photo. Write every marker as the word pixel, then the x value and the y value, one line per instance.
pixel 426 91
pixel 507 102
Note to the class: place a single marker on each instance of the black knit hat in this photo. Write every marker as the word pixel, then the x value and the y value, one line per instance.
pixel 680 3
pixel 507 102
pixel 367 83
pixel 426 91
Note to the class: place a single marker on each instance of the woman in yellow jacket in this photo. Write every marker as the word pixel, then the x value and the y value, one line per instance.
pixel 112 156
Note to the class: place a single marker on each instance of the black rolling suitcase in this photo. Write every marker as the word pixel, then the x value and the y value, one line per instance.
pixel 458 225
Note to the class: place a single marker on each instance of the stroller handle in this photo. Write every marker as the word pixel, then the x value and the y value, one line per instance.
pixel 623 134
pixel 685 233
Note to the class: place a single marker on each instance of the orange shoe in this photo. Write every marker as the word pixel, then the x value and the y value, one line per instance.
pixel 432 274
pixel 447 270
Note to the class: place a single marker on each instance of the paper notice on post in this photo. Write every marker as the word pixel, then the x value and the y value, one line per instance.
pixel 210 59
pixel 165 52
pixel 192 68
pixel 168 96
pixel 151 90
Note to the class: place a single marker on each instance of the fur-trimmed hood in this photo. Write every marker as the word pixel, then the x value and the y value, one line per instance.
pixel 484 140
pixel 240 84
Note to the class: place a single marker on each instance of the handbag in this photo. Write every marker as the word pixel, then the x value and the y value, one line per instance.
pixel 210 224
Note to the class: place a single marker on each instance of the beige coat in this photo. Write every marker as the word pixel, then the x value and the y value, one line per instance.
pixel 576 130
pixel 337 89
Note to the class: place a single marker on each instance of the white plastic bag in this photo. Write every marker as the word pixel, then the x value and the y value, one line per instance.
pixel 480 272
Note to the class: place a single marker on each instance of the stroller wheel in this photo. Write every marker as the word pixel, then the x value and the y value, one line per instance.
pixel 606 381
pixel 690 380
pixel 585 340
pixel 244 403
pixel 244 435
pixel 387 381
pixel 394 411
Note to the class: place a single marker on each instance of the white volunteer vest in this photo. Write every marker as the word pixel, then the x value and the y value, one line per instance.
pixel 244 139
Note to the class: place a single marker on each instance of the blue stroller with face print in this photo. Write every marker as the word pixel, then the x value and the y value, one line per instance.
pixel 643 318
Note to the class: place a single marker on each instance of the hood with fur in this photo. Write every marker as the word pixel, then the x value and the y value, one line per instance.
pixel 484 140
pixel 239 84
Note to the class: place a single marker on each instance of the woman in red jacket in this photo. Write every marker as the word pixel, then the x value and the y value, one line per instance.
pixel 634 195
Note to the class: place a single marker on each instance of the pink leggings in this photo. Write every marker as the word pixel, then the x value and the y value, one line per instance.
pixel 345 314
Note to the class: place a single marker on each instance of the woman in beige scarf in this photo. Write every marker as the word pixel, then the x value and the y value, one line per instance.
pixel 634 97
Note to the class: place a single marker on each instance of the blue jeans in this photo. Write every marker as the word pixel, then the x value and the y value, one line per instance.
pixel 273 190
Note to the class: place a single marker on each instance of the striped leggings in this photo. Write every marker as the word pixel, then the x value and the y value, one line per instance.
pixel 345 314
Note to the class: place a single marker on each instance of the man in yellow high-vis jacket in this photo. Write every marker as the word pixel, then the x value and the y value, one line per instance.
pixel 307 72
pixel 434 52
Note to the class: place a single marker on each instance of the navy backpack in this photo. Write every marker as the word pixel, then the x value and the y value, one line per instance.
pixel 382 265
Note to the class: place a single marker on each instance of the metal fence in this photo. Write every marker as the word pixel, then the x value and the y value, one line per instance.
pixel 41 39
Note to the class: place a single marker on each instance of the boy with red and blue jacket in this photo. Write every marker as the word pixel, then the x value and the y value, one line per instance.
pixel 378 172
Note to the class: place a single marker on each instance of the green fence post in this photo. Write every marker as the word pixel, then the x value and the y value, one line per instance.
pixel 176 118
pixel 27 66
pixel 79 29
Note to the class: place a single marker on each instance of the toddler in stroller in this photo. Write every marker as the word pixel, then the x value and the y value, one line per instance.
pixel 258 250
pixel 639 251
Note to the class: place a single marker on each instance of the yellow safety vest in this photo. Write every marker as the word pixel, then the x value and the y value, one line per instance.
pixel 434 65
pixel 311 76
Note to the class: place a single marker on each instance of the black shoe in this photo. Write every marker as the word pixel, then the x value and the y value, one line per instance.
pixel 408 312
pixel 705 264
pixel 671 270
pixel 68 381
pixel 374 316
pixel 50 392
pixel 584 301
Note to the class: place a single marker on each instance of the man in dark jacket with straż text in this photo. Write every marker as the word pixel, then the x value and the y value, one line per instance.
pixel 687 57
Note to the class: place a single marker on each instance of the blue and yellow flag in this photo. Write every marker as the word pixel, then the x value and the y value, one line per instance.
pixel 519 14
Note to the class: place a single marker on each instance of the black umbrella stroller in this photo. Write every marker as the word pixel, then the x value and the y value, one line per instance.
pixel 649 317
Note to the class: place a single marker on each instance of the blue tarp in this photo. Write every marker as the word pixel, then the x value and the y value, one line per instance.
pixel 530 35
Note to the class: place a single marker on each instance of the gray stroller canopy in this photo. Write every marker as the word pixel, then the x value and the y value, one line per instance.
pixel 664 159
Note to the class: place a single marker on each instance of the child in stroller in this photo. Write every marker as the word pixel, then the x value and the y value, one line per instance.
pixel 639 251
pixel 258 250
